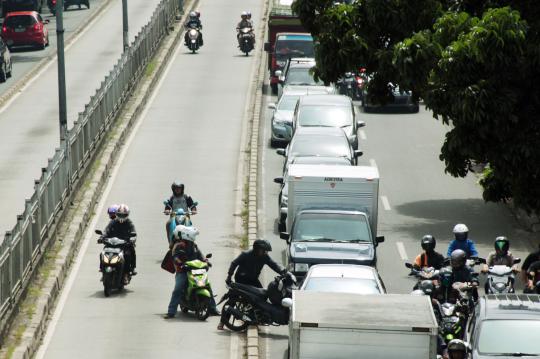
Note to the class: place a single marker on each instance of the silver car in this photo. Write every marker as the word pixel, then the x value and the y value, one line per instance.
pixel 328 111
pixel 343 278
pixel 297 72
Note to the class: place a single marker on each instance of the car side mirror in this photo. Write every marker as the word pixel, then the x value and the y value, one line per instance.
pixel 379 239
pixel 267 47
pixel 517 260
pixel 358 153
pixel 284 236
pixel 99 232
pixel 409 265
pixel 278 180
pixel 272 106
pixel 361 124
pixel 278 73
pixel 280 151
pixel 286 302
pixel 209 255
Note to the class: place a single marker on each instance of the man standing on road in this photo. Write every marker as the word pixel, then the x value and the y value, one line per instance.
pixel 248 266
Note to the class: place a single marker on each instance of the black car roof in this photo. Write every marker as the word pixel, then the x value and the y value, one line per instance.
pixel 511 306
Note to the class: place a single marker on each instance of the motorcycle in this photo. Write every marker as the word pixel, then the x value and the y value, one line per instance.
pixel 112 262
pixel 180 217
pixel 193 39
pixel 500 279
pixel 348 86
pixel 248 305
pixel 198 293
pixel 246 38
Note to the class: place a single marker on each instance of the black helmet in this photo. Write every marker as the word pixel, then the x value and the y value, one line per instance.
pixel 428 242
pixel 502 244
pixel 426 286
pixel 262 244
pixel 458 258
pixel 177 184
pixel 457 345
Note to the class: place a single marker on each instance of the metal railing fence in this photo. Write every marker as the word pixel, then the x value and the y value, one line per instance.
pixel 22 245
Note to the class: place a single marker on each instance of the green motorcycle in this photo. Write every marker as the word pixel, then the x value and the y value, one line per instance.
pixel 198 292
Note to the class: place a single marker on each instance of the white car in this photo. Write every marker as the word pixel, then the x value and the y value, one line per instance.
pixel 343 278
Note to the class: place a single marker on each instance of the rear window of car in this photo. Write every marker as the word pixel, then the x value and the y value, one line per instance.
pixel 20 21
pixel 343 285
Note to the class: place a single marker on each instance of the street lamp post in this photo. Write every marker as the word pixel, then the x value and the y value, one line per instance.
pixel 61 70
pixel 125 24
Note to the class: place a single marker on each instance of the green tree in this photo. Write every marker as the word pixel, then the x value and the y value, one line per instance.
pixel 475 63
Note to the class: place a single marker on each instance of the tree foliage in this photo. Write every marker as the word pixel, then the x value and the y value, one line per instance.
pixel 475 63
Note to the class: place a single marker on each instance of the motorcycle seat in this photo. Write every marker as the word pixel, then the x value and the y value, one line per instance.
pixel 260 292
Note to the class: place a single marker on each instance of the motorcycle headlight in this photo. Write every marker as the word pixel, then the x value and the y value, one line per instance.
pixel 301 267
pixel 105 259
pixel 115 260
pixel 500 286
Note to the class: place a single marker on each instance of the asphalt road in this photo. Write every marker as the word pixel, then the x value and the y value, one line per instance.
pixel 191 131
pixel 421 199
pixel 29 129
pixel 25 58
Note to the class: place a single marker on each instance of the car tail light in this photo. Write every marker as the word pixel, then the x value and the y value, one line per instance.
pixel 4 28
pixel 36 27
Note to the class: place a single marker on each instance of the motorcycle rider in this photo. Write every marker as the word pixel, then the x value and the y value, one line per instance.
pixel 457 349
pixel 178 200
pixel 531 258
pixel 532 274
pixel 462 241
pixel 245 22
pixel 111 211
pixel 184 250
pixel 461 273
pixel 501 255
pixel 122 227
pixel 193 21
pixel 248 266
pixel 429 257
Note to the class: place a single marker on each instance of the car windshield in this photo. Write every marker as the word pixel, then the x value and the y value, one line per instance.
pixel 343 285
pixel 301 76
pixel 332 227
pixel 287 103
pixel 325 116
pixel 20 21
pixel 287 48
pixel 520 336
pixel 325 146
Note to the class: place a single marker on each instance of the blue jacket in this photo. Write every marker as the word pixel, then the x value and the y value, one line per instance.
pixel 466 245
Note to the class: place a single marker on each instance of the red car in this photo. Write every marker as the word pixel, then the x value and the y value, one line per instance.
pixel 22 28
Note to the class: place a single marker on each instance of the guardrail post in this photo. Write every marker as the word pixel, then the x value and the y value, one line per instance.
pixel 7 238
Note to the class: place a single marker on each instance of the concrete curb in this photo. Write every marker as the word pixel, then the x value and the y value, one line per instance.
pixel 87 199
pixel 19 85
pixel 252 346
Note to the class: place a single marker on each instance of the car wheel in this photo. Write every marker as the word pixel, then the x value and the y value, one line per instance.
pixel 3 76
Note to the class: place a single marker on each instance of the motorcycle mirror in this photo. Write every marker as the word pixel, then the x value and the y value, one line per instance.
pixel 379 239
pixel 166 202
pixel 209 255
pixel 287 302
pixel 272 106
pixel 195 204
pixel 133 234
pixel 517 260
pixel 358 153
pixel 284 235
pixel 278 180
pixel 409 265
pixel 99 232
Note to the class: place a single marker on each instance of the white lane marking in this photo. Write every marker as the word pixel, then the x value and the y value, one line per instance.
pixel 372 163
pixel 90 231
pixel 363 135
pixel 402 251
pixel 54 59
pixel 385 203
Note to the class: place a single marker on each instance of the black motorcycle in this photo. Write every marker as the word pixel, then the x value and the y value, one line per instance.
pixel 193 38
pixel 112 262
pixel 247 305
pixel 246 37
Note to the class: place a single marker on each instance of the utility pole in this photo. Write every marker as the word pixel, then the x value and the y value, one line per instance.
pixel 125 24
pixel 62 115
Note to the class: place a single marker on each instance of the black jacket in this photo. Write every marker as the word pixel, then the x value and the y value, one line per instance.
pixel 119 230
pixel 250 266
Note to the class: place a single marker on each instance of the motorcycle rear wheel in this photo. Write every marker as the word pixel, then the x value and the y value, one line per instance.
pixel 236 325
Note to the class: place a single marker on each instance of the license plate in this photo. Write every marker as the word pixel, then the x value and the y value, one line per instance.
pixel 20 29
pixel 198 271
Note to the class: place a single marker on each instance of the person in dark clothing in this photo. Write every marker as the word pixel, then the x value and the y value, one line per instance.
pixel 122 227
pixel 429 258
pixel 178 200
pixel 531 258
pixel 184 250
pixel 194 21
pixel 248 266
pixel 461 273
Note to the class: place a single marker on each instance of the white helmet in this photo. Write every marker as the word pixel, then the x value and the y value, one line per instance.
pixel 186 233
pixel 460 228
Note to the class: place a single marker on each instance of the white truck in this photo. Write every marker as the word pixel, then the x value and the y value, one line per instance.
pixel 352 326
pixel 331 216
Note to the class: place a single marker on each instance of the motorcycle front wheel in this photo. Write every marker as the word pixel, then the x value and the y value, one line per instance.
pixel 202 311
pixel 107 285
pixel 230 321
